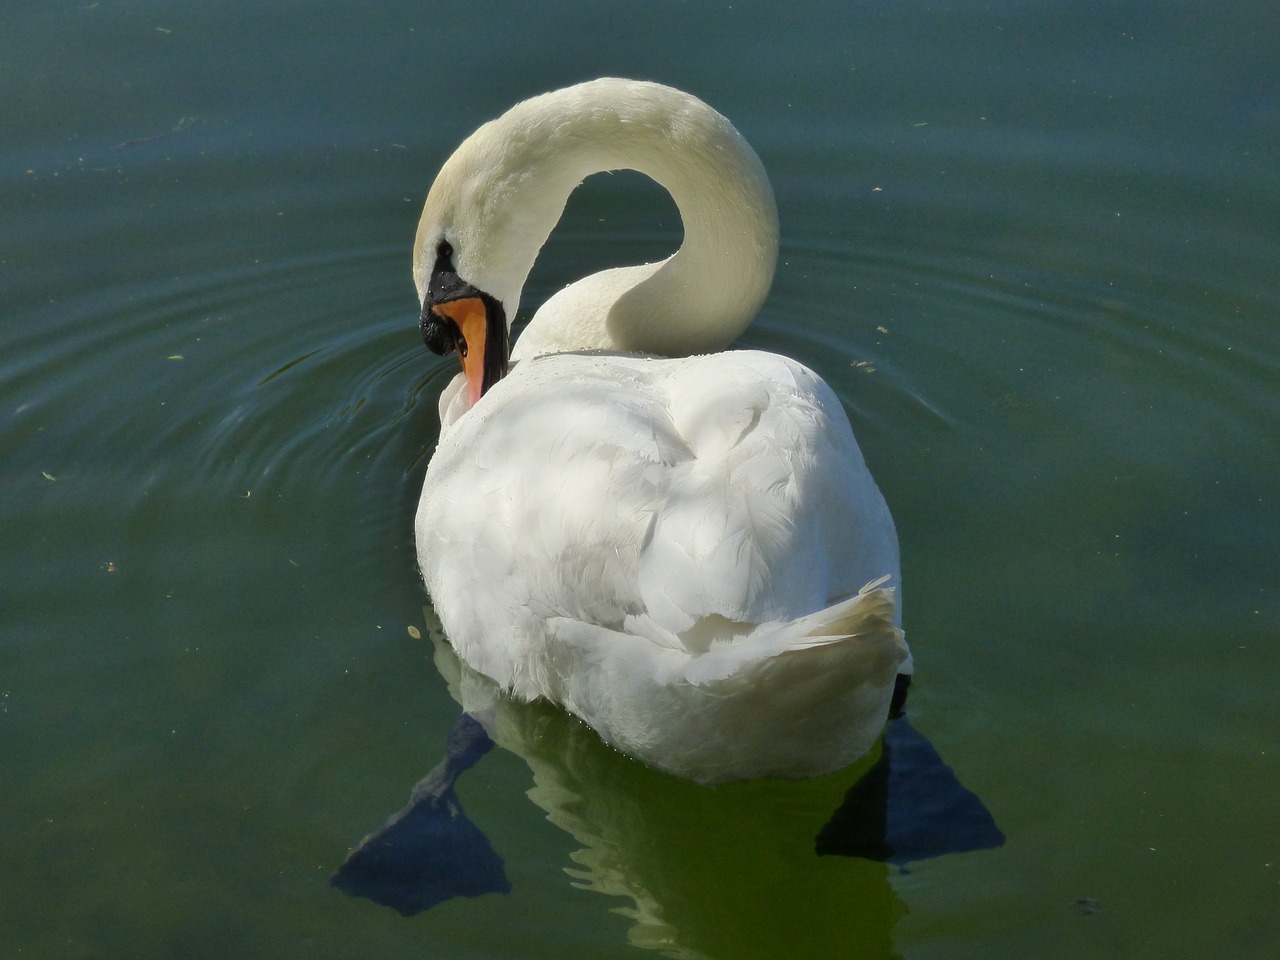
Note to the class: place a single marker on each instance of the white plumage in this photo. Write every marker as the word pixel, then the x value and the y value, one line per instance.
pixel 686 551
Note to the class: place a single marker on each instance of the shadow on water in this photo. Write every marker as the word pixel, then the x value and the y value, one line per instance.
pixel 700 867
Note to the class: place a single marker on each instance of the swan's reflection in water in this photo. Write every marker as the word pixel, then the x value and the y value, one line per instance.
pixel 731 870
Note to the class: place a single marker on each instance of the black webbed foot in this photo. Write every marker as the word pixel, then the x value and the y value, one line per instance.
pixel 429 852
pixel 909 805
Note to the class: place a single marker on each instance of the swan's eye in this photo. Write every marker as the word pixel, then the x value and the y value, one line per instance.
pixel 444 250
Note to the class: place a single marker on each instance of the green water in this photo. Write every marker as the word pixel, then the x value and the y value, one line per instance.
pixel 1035 249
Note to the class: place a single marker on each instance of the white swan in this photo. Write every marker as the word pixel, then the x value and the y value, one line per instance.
pixel 682 547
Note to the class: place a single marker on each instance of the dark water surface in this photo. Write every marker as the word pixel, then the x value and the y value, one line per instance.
pixel 1035 247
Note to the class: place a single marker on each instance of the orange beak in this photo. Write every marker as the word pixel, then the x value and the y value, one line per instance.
pixel 471 321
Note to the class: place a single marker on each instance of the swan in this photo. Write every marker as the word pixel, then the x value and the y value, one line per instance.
pixel 678 543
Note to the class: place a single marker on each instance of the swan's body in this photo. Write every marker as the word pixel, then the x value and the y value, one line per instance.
pixel 684 548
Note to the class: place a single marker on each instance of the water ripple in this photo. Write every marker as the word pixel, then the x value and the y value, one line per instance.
pixel 192 380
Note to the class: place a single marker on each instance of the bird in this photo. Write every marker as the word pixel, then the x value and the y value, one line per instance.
pixel 678 542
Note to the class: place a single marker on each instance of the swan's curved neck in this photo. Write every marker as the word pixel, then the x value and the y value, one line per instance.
pixel 700 298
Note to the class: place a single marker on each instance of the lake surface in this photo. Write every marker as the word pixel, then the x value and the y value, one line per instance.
pixel 1034 247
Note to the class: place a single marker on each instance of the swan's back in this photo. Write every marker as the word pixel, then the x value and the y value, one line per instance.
pixel 655 510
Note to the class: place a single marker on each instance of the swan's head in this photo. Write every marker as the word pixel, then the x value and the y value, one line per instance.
pixel 463 306
pixel 482 225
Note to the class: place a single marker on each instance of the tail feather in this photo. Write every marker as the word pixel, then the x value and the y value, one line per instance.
pixel 865 619
pixel 793 699
pixel 869 611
